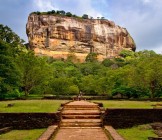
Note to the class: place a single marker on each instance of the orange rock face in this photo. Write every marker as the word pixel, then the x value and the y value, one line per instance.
pixel 59 36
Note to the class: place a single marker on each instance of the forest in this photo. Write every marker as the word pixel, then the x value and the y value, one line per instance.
pixel 132 75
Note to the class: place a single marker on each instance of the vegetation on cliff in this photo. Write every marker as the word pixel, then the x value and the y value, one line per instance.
pixel 63 13
pixel 133 75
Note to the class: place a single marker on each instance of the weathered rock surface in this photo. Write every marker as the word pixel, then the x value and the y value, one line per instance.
pixel 59 36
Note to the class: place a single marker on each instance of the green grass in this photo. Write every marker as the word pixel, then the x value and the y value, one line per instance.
pixel 127 104
pixel 22 134
pixel 53 105
pixel 30 106
pixel 141 132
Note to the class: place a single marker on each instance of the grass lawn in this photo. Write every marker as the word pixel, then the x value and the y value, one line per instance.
pixel 53 105
pixel 127 104
pixel 141 132
pixel 31 105
pixel 22 134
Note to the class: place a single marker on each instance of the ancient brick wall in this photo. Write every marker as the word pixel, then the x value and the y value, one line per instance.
pixel 28 120
pixel 123 118
pixel 118 118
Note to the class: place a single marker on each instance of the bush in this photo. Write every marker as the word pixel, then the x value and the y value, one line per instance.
pixel 128 92
pixel 68 14
pixel 107 62
pixel 73 90
pixel 14 94
pixel 91 57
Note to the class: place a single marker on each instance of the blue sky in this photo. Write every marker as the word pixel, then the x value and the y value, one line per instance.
pixel 142 18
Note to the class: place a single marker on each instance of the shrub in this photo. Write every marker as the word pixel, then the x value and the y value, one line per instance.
pixel 73 90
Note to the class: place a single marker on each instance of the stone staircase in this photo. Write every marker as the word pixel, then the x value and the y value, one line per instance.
pixel 81 114
pixel 81 120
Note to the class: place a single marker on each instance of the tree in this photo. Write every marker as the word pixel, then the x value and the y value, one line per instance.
pixel 8 36
pixel 105 85
pixel 107 62
pixel 9 73
pixel 62 12
pixel 35 72
pixel 61 85
pixel 72 57
pixel 68 14
pixel 73 90
pixel 91 57
pixel 85 16
pixel 12 39
pixel 59 68
pixel 144 74
pixel 88 85
pixel 151 76
pixel 90 68
pixel 38 12
pixel 126 53
pixel 72 71
pixel 10 47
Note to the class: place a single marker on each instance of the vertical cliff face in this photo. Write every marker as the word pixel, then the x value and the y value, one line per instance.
pixel 58 36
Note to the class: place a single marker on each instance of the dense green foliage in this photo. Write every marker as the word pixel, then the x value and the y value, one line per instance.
pixel 133 75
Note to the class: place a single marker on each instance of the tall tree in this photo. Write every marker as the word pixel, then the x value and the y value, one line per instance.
pixel 35 72
pixel 8 36
pixel 9 73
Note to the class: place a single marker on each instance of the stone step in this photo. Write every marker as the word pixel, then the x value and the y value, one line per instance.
pixel 81 123
pixel 81 112
pixel 81 127
pixel 81 116
pixel 81 106
pixel 81 120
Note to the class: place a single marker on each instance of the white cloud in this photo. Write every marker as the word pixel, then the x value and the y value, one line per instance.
pixel 158 49
pixel 77 7
pixel 44 5
pixel 146 1
pixel 153 3
pixel 143 21
pixel 86 7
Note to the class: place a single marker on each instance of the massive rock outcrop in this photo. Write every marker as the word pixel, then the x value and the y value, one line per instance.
pixel 60 36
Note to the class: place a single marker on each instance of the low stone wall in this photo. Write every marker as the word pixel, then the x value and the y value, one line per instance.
pixel 49 133
pixel 118 118
pixel 123 118
pixel 28 120
pixel 5 130
pixel 112 133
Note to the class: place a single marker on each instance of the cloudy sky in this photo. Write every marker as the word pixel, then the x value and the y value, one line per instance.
pixel 142 18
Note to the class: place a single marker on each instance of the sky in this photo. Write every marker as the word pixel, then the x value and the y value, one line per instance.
pixel 142 18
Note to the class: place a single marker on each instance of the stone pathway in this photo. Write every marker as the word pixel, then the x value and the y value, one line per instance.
pixel 81 121
pixel 81 134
